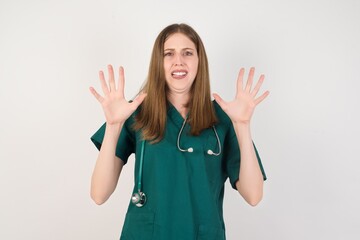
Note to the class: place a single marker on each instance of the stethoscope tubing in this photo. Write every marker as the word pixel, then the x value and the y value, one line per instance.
pixel 141 165
pixel 141 197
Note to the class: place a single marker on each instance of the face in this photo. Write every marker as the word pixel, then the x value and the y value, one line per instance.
pixel 180 63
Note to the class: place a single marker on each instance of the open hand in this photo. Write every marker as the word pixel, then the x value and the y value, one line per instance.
pixel 241 109
pixel 115 107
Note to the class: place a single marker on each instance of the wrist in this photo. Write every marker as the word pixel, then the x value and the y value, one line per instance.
pixel 114 128
pixel 241 125
pixel 114 125
pixel 242 130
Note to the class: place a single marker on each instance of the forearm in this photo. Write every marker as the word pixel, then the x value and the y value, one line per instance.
pixel 108 166
pixel 250 184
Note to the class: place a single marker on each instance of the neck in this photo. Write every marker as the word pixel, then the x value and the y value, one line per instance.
pixel 179 101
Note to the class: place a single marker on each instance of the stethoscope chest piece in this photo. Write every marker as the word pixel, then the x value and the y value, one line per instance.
pixel 139 199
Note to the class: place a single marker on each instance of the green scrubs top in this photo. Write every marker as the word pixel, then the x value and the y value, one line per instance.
pixel 184 190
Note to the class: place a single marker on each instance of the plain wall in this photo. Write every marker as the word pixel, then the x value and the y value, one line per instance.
pixel 306 131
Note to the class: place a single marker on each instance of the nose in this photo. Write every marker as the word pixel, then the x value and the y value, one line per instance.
pixel 178 60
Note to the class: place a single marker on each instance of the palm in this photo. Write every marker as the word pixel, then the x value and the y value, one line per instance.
pixel 115 106
pixel 242 107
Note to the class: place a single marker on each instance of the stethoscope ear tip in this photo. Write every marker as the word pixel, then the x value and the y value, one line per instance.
pixel 190 150
pixel 210 152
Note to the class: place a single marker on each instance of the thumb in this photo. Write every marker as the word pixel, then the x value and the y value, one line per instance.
pixel 139 98
pixel 220 101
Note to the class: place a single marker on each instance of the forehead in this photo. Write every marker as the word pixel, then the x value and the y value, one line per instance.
pixel 178 41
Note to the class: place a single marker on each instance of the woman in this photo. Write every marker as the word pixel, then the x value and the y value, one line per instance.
pixel 186 145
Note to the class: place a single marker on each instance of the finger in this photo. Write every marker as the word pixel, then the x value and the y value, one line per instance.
pixel 262 97
pixel 104 86
pixel 258 85
pixel 111 78
pixel 121 83
pixel 240 81
pixel 250 80
pixel 220 101
pixel 96 95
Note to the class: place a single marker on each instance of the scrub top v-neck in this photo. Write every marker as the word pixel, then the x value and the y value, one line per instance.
pixel 184 190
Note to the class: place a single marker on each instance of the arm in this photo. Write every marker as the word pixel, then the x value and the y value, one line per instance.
pixel 108 166
pixel 240 111
pixel 250 183
pixel 117 110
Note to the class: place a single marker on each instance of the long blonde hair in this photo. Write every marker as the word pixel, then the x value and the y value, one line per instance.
pixel 151 119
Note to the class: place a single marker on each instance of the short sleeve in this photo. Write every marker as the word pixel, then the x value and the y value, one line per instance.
pixel 126 142
pixel 232 158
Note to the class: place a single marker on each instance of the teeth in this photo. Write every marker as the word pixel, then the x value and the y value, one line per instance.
pixel 179 73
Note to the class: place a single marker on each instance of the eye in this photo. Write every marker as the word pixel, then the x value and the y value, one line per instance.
pixel 167 54
pixel 188 53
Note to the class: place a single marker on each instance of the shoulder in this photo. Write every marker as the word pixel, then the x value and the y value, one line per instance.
pixel 224 124
pixel 129 123
pixel 222 117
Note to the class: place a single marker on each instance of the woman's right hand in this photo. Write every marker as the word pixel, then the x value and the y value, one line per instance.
pixel 115 107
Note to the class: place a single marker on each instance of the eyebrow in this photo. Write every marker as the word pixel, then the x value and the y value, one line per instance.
pixel 173 49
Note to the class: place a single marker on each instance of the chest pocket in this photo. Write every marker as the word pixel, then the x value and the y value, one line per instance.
pixel 138 226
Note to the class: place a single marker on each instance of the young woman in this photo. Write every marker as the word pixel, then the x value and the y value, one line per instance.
pixel 186 145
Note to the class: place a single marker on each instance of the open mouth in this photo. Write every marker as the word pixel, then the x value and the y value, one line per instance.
pixel 179 73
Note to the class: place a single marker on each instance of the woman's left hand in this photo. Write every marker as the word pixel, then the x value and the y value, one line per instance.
pixel 241 109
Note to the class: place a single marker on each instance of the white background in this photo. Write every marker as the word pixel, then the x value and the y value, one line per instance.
pixel 307 130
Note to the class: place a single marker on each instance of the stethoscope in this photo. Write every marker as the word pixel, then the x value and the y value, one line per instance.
pixel 139 197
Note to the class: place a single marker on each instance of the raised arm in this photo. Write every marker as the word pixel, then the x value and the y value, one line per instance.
pixel 240 111
pixel 116 109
